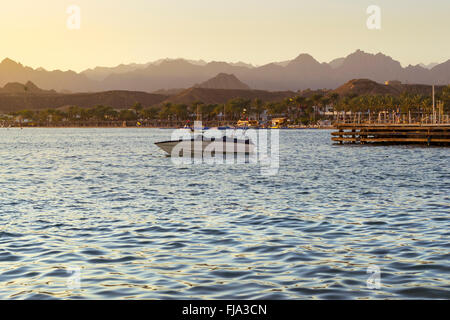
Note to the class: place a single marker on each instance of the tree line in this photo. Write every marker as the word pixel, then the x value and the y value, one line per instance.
pixel 299 109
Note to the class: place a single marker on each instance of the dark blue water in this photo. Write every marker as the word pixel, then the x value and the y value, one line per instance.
pixel 109 204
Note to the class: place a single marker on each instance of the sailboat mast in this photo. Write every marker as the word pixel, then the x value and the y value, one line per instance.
pixel 434 111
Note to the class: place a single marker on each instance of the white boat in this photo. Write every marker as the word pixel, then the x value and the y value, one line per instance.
pixel 206 146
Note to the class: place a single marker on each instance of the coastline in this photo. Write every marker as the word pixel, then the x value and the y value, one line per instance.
pixel 154 127
pixel 145 124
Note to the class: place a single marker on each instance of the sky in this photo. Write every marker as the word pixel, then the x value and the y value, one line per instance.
pixel 35 33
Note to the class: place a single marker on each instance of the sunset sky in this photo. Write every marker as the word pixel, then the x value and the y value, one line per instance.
pixel 255 31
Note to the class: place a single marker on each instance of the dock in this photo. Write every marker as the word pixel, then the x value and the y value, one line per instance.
pixel 393 130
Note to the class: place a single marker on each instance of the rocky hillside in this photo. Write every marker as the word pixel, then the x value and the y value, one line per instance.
pixel 16 96
pixel 369 87
pixel 28 88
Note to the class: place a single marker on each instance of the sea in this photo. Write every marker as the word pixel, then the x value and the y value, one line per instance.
pixel 95 213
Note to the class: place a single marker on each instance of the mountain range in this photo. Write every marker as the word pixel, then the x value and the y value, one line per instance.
pixel 167 74
pixel 218 90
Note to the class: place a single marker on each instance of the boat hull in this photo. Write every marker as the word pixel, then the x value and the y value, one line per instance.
pixel 205 148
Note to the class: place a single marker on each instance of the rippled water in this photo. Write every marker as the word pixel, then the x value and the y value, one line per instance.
pixel 108 202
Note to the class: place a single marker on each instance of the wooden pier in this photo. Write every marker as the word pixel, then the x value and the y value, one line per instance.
pixel 428 134
pixel 392 128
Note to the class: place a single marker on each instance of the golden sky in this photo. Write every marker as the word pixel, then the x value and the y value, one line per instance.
pixel 35 33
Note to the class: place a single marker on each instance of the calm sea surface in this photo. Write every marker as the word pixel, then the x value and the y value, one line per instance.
pixel 102 213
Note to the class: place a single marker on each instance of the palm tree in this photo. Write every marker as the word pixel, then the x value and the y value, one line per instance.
pixel 127 115
pixel 258 108
pixel 334 98
pixel 138 108
pixel 300 101
pixel 197 109
pixel 325 101
pixel 235 107
pixel 180 111
pixel 445 97
pixel 150 113
pixel 166 111
pixel 317 99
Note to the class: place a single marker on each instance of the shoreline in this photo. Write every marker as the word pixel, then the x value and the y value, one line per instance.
pixel 151 127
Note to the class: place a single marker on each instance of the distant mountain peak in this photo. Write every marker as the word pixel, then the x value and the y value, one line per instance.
pixel 224 81
pixel 361 53
pixel 178 60
pixel 9 63
pixel 218 63
pixel 14 87
pixel 304 58
pixel 242 64
pixel 367 64
pixel 174 62
pixel 8 60
pixel 29 87
pixel 428 66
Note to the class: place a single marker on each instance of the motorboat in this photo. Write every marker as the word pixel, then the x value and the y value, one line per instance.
pixel 205 145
